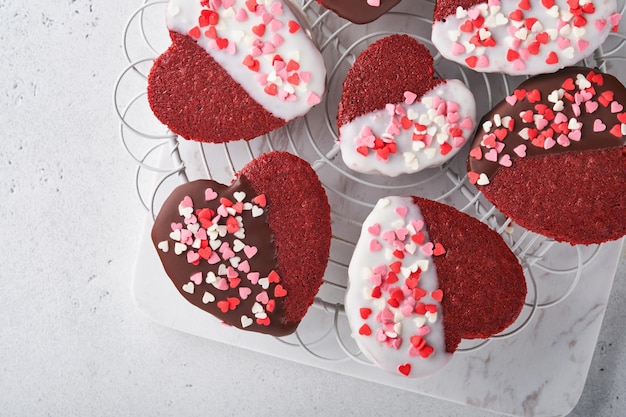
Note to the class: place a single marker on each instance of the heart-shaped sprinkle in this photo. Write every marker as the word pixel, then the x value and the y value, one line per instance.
pixel 208 298
pixel 189 287
pixel 246 321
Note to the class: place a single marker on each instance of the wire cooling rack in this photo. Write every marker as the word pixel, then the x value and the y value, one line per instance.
pixel 554 271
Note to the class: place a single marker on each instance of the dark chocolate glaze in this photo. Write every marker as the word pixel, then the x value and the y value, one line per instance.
pixel 257 233
pixel 545 84
pixel 358 11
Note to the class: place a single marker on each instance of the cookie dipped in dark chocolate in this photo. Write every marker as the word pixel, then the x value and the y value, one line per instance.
pixel 217 248
pixel 360 11
pixel 574 109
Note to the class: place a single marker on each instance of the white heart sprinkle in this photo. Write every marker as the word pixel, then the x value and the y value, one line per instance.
pixel 215 244
pixel 208 298
pixel 211 277
pixel 257 308
pixel 179 248
pixel 175 235
pixel 164 246
pixel 189 287
pixel 482 179
pixel 257 211
pixel 264 282
pixel 238 245
pixel 246 321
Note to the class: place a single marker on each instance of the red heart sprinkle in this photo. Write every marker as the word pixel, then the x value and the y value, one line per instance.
pixel 233 302
pixel 437 295
pixel 222 43
pixel 251 5
pixel 568 84
pixel 524 4
pixel 264 321
pixel 439 249
pixel 260 200
pixel 395 266
pixel 292 65
pixel 273 277
pixel 552 58
pixel 445 148
pixel 293 26
pixel 426 351
pixel 232 226
pixel 205 253
pixel 271 89
pixel 279 291
pixel 547 3
pixel 606 98
pixel 476 153
pixel 418 238
pixel 271 304
pixel 467 27
pixel 293 79
pixel 363 150
pixel 194 32
pixel 418 342
pixel 405 369
pixel 616 130
pixel 234 282
pixel 516 15
pixel 365 330
pixel 376 292
pixel 420 308
pixel 471 61
pixel 533 48
pixel 473 177
pixel 259 30
pixel 223 306
pixel 392 278
pixel 622 117
pixel 512 55
pixel 365 312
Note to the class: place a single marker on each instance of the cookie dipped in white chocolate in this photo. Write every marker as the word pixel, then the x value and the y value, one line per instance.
pixel 393 297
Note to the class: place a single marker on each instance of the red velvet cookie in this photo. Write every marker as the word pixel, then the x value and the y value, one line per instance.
pixel 359 11
pixel 552 156
pixel 424 276
pixel 235 70
pixel 395 116
pixel 521 37
pixel 253 253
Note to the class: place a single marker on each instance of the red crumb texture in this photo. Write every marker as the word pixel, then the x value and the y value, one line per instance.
pixel 382 73
pixel 299 217
pixel 445 8
pixel 576 197
pixel 197 99
pixel 482 281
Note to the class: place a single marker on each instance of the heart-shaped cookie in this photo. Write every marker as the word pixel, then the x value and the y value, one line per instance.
pixel 236 69
pixel 253 253
pixel 360 11
pixel 395 116
pixel 521 37
pixel 423 276
pixel 552 156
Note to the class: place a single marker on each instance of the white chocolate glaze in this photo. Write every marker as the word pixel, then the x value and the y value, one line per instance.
pixel 392 225
pixel 242 39
pixel 439 123
pixel 525 37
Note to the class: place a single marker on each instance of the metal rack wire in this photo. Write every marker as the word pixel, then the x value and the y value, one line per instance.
pixel 164 160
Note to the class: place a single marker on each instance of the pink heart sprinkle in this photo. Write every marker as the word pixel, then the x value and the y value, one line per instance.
pixel 278 40
pixel 520 150
pixel 409 97
pixel 576 109
pixel 492 155
pixel 417 225
pixel 616 107
pixel 222 284
pixel 389 236
pixel 467 124
pixel 560 118
pixel 209 194
pixel 505 161
pixel 250 251
pixel 176 226
pixel 244 267
pixel 600 24
pixel 598 126
pixel 458 49
pixel 231 273
pixel 473 13
pixel 541 122
pixel 192 257
pixel 402 211
pixel 376 279
pixel 582 44
pixel 401 233
pixel 276 8
pixel 615 18
pixel 374 229
pixel 187 202
pixel 427 249
pixel 591 106
pixel 380 335
pixel 276 25
pixel 241 15
pixel 512 99
pixel 305 76
pixel 562 42
pixel 228 3
pixel 549 143
pixel 262 297
pixel 213 259
pixel 423 331
pixel 563 140
pixel 375 245
pixel 483 61
pixel 313 99
pixel 453 117
pixel 518 65
pixel 253 277
pixel 196 278
pixel 373 3
pixel 458 141
pixel 244 292
pixel 574 135
pixel 406 310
